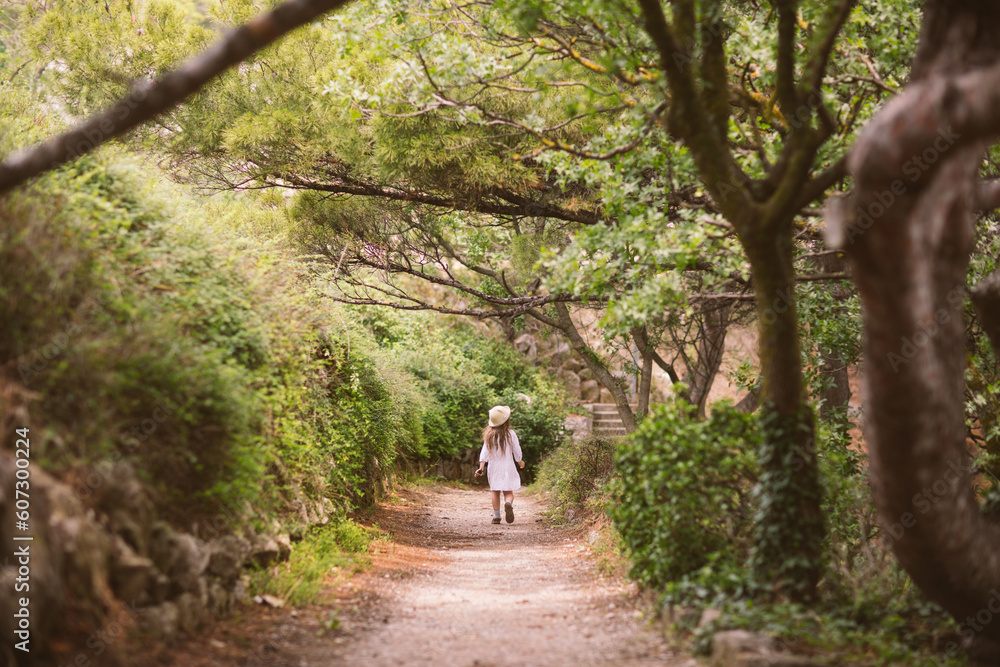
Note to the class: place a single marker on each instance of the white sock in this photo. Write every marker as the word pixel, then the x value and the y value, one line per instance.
pixel 496 513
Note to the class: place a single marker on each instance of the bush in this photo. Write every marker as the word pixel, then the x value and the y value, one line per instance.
pixel 135 338
pixel 299 580
pixel 204 360
pixel 681 499
pixel 540 425
pixel 577 471
pixel 461 374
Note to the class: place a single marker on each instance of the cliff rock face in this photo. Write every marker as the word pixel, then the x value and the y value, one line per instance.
pixel 99 565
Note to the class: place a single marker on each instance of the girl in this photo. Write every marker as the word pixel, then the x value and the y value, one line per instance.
pixel 503 452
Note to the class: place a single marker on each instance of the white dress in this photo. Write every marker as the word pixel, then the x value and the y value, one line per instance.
pixel 502 471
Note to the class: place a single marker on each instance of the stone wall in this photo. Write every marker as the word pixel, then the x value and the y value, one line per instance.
pixel 101 565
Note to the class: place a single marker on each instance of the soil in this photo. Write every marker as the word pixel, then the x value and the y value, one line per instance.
pixel 450 588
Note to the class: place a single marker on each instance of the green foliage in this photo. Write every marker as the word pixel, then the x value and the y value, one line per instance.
pixel 322 552
pixel 577 471
pixel 461 374
pixel 786 525
pixel 895 636
pixel 539 424
pixel 199 357
pixel 143 354
pixel 681 498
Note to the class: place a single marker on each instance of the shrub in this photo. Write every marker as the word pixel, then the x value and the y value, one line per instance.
pixel 461 374
pixel 681 499
pixel 540 425
pixel 577 471
pixel 323 550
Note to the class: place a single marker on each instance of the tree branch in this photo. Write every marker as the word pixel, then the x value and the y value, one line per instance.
pixel 943 113
pixel 787 16
pixel 148 100
pixel 816 68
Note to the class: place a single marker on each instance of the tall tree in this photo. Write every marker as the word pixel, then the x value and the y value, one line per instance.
pixel 909 228
pixel 692 47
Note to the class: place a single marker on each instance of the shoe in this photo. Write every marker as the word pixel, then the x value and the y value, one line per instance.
pixel 509 511
pixel 496 519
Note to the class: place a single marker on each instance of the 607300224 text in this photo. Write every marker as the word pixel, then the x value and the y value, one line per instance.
pixel 22 548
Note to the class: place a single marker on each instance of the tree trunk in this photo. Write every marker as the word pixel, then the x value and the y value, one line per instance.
pixel 645 380
pixel 789 530
pixel 601 373
pixel 909 232
pixel 709 350
pixel 641 338
pixel 837 396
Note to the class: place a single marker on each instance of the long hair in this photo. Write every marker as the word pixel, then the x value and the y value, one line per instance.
pixel 497 437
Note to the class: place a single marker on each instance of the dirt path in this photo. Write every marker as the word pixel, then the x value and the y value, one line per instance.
pixel 454 589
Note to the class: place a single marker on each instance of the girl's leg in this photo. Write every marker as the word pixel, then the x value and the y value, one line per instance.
pixel 508 508
pixel 496 501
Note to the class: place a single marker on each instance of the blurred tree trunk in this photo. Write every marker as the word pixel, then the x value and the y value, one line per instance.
pixel 909 229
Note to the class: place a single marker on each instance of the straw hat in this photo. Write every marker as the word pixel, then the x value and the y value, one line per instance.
pixel 499 415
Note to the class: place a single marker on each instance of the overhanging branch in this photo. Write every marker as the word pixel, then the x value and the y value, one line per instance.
pixel 148 100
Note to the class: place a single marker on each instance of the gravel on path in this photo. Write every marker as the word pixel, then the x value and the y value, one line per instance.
pixel 448 588
pixel 511 594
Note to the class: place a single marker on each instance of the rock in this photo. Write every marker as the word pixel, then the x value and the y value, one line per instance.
pixel 133 577
pixel 299 506
pixel 69 558
pixel 191 612
pixel 160 622
pixel 739 648
pixel 284 541
pixel 572 383
pixel 269 600
pixel 578 425
pixel 220 599
pixel 590 391
pixel 226 557
pixel 264 551
pixel 121 496
pixel 159 590
pixel 560 351
pixel 163 546
pixel 527 345
pixel 573 365
pixel 242 588
pixel 732 642
pixel 190 564
pixel 586 374
pixel 606 396
pixel 321 516
pixel 708 616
